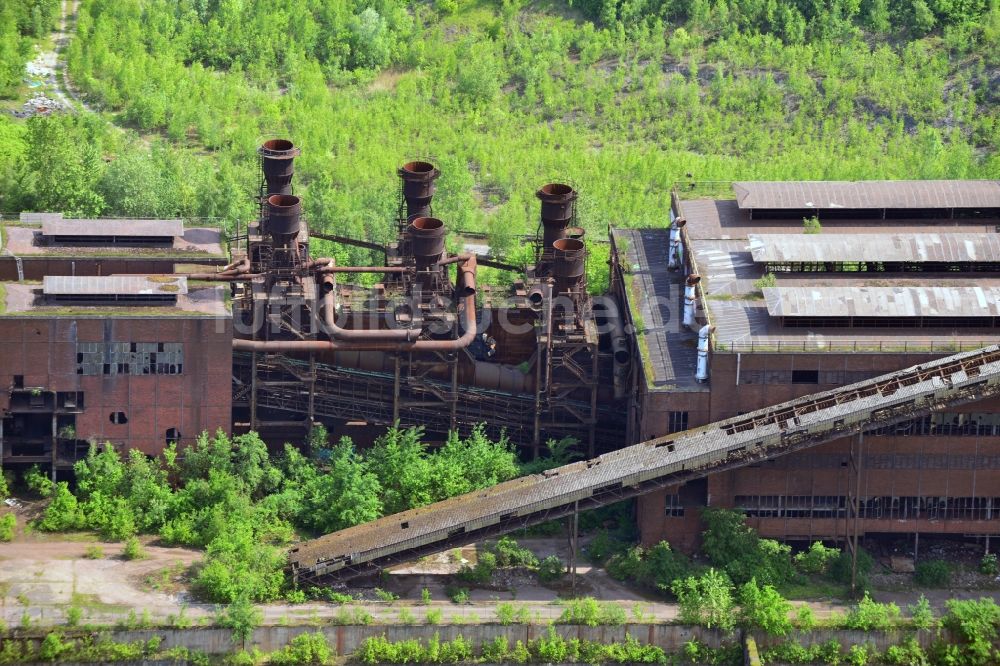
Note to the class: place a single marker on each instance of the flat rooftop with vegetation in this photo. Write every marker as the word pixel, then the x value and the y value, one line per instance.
pixel 52 236
pixel 123 296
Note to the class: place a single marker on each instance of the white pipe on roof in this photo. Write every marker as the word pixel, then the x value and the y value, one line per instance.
pixel 701 373
pixel 689 300
pixel 675 252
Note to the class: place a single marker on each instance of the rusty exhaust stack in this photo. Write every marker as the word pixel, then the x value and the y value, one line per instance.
pixel 277 160
pixel 418 187
pixel 426 241
pixel 557 211
pixel 283 216
pixel 568 265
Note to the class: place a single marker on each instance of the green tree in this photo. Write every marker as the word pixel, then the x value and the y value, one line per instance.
pixel 764 608
pixel 706 600
pixel 400 462
pixel 62 166
pixel 7 524
pixel 463 465
pixel 370 40
pixel 63 512
pixel 737 549
pixel 136 184
pixel 239 567
pixel 242 617
pixel 13 53
pixel 347 494
pixel 974 627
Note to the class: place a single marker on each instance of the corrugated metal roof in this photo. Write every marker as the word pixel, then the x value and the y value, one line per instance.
pixel 917 248
pixel 869 194
pixel 888 302
pixel 116 227
pixel 64 285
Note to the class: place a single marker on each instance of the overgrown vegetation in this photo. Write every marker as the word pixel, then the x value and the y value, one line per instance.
pixel 231 498
pixel 551 647
pixel 600 93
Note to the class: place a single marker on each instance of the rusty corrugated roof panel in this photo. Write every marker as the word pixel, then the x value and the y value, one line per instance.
pixel 887 302
pixel 916 248
pixel 113 227
pixel 872 194
pixel 117 285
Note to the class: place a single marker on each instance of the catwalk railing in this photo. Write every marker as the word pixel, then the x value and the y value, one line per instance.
pixel 658 463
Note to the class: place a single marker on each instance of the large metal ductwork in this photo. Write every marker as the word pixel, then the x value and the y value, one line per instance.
pixel 284 212
pixel 418 187
pixel 277 161
pixel 568 264
pixel 557 211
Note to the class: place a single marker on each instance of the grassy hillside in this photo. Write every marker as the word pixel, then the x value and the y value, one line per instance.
pixel 619 97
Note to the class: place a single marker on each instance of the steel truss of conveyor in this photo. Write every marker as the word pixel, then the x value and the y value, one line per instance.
pixel 651 465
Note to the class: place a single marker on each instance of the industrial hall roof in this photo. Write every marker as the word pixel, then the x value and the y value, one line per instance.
pixel 122 285
pixel 886 302
pixel 874 194
pixel 902 247
pixel 112 227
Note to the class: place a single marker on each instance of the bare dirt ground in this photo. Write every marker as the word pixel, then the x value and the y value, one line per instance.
pixel 42 575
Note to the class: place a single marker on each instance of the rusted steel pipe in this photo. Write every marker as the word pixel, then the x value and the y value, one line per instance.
pixel 220 277
pixel 362 269
pixel 328 265
pixel 337 333
pixel 344 240
pixel 467 281
pixel 237 266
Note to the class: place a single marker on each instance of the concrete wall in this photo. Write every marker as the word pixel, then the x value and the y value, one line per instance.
pixel 346 639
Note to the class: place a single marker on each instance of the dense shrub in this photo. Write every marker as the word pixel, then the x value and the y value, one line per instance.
pixel 7 524
pixel 551 569
pixel 974 627
pixel 932 573
pixel 870 615
pixel 763 608
pixel 592 613
pixel 310 648
pixel 706 600
pixel 656 568
pixel 817 559
pixel 482 571
pixel 840 567
pixel 737 549
pixel 509 554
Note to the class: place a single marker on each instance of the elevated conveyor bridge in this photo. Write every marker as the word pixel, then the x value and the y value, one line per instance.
pixel 652 465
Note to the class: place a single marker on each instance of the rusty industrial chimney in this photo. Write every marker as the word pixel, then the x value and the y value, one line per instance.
pixel 557 211
pixel 426 241
pixel 568 264
pixel 283 214
pixel 418 188
pixel 277 158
